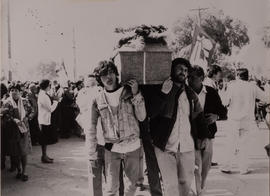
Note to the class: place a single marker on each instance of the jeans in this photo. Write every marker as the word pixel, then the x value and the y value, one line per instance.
pixel 203 159
pixel 177 171
pixel 131 167
pixel 141 173
pixel 95 173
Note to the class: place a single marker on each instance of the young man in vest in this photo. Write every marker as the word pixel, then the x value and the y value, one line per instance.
pixel 120 109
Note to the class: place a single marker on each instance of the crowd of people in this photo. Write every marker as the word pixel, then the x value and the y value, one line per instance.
pixel 171 127
pixel 36 113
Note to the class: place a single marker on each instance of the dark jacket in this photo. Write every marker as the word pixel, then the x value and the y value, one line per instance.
pixel 213 104
pixel 32 98
pixel 163 110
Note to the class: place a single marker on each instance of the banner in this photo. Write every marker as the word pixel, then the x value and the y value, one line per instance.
pixel 201 47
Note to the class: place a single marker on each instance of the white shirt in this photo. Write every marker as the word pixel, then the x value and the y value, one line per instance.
pixel 202 96
pixel 240 97
pixel 180 138
pixel 209 82
pixel 114 97
pixel 45 108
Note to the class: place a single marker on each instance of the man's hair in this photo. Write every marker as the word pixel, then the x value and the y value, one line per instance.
pixel 242 73
pixel 213 70
pixel 198 70
pixel 103 68
pixel 32 86
pixel 14 86
pixel 44 84
pixel 179 61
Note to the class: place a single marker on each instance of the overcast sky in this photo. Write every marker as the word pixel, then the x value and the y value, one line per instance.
pixel 41 30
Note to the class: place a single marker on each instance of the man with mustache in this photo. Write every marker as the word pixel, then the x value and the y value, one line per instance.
pixel 175 129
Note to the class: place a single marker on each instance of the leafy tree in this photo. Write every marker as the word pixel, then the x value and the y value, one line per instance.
pixel 226 31
pixel 46 70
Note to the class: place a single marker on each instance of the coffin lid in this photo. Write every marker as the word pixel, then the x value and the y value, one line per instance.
pixel 145 47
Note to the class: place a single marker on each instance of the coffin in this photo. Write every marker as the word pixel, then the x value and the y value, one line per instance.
pixel 150 64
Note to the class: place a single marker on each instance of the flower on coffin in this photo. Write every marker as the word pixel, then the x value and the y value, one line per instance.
pixel 138 36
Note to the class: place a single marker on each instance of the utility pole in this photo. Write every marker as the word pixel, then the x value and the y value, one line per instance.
pixel 9 43
pixel 74 56
pixel 199 13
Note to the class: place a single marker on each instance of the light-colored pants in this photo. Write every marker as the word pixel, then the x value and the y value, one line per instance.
pixel 141 173
pixel 131 166
pixel 203 159
pixel 238 138
pixel 95 173
pixel 177 171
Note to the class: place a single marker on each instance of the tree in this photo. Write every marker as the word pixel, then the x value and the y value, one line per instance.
pixel 226 31
pixel 46 70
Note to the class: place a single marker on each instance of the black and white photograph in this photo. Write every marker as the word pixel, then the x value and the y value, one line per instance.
pixel 135 97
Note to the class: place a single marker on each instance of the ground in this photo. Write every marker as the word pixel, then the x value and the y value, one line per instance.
pixel 68 175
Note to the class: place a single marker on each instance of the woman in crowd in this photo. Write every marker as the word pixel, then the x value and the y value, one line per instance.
pixel 46 106
pixel 16 111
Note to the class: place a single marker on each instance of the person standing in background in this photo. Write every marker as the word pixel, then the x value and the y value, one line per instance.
pixel 33 119
pixel 46 106
pixel 240 99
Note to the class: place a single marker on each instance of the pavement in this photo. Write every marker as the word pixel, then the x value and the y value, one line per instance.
pixel 67 176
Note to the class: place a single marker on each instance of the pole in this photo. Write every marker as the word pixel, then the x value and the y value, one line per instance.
pixel 199 13
pixel 9 43
pixel 74 56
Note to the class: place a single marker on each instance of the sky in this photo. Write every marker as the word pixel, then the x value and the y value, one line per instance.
pixel 42 30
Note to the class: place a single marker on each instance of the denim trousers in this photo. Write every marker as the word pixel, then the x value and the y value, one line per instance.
pixel 95 173
pixel 177 171
pixel 131 167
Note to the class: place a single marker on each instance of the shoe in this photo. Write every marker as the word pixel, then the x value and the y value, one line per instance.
pixel 24 177
pixel 214 164
pixel 46 160
pixel 19 175
pixel 245 172
pixel 49 158
pixel 226 171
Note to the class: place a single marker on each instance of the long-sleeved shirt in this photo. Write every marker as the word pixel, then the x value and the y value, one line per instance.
pixel 45 108
pixel 240 97
pixel 180 138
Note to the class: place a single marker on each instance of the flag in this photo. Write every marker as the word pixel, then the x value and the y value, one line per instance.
pixel 201 47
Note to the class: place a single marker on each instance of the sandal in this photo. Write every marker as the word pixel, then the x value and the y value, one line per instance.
pixel 24 177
